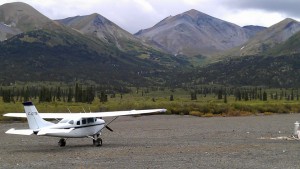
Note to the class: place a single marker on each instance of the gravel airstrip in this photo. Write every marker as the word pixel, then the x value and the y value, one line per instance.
pixel 164 141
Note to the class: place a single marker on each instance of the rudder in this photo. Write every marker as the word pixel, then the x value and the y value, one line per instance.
pixel 34 119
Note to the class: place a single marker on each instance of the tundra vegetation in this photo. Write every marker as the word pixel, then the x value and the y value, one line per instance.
pixel 203 101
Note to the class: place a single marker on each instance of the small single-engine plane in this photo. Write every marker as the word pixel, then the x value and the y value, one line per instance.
pixel 72 125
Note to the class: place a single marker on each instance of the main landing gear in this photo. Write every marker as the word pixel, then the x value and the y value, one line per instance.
pixel 62 142
pixel 97 141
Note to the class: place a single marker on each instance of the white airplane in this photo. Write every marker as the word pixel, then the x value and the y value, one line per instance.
pixel 72 125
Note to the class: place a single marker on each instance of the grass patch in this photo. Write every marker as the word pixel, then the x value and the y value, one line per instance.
pixel 204 106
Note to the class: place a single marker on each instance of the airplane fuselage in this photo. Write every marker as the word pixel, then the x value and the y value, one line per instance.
pixel 82 127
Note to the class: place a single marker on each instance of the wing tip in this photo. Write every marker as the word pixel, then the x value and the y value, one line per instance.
pixel 163 110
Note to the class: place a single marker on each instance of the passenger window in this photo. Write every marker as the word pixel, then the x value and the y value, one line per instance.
pixel 90 120
pixel 83 121
pixel 78 122
pixel 71 122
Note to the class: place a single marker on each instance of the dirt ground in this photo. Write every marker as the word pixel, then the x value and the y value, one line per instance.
pixel 163 141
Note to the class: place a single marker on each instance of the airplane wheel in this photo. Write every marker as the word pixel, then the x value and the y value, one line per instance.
pixel 97 142
pixel 62 142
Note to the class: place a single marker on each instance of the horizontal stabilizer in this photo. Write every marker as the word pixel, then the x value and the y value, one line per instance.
pixel 20 132
pixel 53 131
pixel 15 115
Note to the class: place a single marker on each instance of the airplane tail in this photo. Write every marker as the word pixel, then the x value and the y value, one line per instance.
pixel 34 119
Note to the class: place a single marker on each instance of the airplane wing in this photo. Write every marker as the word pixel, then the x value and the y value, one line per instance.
pixel 87 115
pixel 19 132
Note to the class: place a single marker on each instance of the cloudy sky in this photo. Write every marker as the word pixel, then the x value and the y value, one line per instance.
pixel 133 15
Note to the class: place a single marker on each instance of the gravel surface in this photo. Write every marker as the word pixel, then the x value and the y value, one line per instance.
pixel 163 141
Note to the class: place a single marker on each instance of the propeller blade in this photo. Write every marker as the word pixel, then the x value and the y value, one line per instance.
pixel 109 128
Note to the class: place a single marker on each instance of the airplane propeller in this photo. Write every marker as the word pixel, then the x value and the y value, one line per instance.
pixel 109 128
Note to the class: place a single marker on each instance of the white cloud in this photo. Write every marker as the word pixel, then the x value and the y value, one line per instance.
pixel 146 6
pixel 254 17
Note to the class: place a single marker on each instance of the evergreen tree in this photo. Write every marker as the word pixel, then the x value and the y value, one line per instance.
pixel 220 93
pixel 225 98
pixel 103 97
pixel 90 92
pixel 58 94
pixel 171 97
pixel 6 96
pixel 265 96
pixel 26 95
pixel 70 94
pixel 193 96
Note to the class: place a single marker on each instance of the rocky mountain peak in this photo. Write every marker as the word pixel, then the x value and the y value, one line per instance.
pixel 22 16
pixel 19 17
pixel 195 14
pixel 192 13
pixel 193 33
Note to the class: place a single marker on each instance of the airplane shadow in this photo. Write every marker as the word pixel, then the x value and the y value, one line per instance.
pixel 71 147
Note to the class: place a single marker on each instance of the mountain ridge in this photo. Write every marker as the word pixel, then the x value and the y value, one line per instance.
pixel 266 40
pixel 194 33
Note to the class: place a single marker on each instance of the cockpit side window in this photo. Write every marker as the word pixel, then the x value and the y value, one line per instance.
pixel 71 122
pixel 78 123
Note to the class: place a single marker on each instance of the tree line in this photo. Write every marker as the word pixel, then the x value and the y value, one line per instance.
pixel 79 93
pixel 88 93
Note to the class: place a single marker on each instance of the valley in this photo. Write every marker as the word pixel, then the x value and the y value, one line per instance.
pixel 188 49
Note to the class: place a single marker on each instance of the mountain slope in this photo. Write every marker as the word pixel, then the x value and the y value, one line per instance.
pixel 47 55
pixel 267 39
pixel 44 50
pixel 253 30
pixel 98 26
pixel 193 33
pixel 19 17
pixel 291 46
pixel 280 71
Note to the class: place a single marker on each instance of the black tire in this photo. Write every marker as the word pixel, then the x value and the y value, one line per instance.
pixel 98 142
pixel 62 142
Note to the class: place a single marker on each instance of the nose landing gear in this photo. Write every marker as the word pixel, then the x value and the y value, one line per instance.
pixel 97 141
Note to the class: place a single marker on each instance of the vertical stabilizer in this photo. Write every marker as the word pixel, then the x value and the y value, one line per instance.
pixel 34 119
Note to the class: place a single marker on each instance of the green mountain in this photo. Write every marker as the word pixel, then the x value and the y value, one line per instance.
pixel 98 27
pixel 47 55
pixel 280 71
pixel 35 48
pixel 45 50
pixel 279 66
pixel 291 46
pixel 267 39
